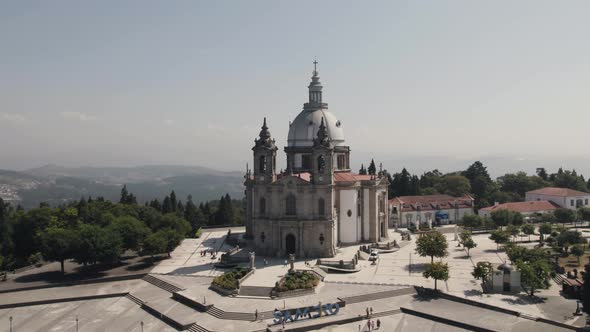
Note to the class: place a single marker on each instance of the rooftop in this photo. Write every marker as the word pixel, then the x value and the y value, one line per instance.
pixel 554 191
pixel 531 206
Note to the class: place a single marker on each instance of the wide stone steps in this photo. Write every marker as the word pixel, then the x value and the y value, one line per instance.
pixel 386 313
pixel 161 284
pixel 558 278
pixel 134 299
pixel 255 291
pixel 197 328
pixel 378 296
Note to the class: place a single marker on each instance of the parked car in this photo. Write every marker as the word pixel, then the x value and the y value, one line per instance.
pixel 374 255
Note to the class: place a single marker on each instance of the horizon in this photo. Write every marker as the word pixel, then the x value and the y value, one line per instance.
pixel 431 83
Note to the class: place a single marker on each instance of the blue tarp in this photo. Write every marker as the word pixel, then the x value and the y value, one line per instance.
pixel 441 215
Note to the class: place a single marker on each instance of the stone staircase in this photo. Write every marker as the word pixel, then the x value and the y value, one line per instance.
pixel 386 313
pixel 134 299
pixel 165 285
pixel 558 278
pixel 197 328
pixel 377 296
pixel 259 291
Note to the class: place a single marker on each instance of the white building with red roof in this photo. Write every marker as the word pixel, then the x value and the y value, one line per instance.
pixel 564 197
pixel 318 204
pixel 428 210
pixel 528 209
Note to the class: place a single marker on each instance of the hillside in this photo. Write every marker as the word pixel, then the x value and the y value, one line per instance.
pixel 57 184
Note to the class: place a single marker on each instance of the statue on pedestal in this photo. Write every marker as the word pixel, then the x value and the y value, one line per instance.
pixel 252 257
pixel 292 262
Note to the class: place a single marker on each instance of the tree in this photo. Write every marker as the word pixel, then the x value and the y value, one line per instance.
pixel 58 244
pixel 126 197
pixel 97 245
pixel 372 169
pixel 501 217
pixel 528 229
pixel 584 213
pixel 472 220
pixel 482 270
pixel 499 237
pixel 567 238
pixel 454 185
pixel 577 251
pixel 131 231
pixel 513 230
pixel 542 173
pixel 363 170
pixel 469 244
pixel 544 229
pixel 155 244
pixel 437 271
pixel 563 215
pixel 534 275
pixel 432 244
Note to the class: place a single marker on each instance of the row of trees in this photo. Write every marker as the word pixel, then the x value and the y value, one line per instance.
pixel 475 180
pixel 98 231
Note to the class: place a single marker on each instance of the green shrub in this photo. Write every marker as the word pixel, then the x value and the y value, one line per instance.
pixel 229 280
pixel 199 232
pixel 298 280
pixel 35 258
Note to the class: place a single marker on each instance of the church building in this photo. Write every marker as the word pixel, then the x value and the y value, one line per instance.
pixel 317 204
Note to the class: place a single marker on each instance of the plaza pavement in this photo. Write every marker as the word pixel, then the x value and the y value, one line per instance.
pixel 195 272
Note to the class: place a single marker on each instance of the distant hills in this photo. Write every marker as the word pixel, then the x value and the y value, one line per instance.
pixel 58 184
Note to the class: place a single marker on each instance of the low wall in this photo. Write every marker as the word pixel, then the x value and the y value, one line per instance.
pixel 77 282
pixel 223 291
pixel 296 292
pixel 240 281
pixel 190 302
pixel 61 300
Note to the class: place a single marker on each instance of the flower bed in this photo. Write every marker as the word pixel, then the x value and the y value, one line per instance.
pixel 229 280
pixel 298 280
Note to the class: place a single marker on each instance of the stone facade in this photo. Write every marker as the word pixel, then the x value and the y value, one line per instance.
pixel 317 204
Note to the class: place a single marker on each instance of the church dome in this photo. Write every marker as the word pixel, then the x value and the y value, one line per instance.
pixel 304 129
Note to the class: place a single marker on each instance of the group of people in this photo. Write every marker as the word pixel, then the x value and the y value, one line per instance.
pixel 204 252
pixel 371 325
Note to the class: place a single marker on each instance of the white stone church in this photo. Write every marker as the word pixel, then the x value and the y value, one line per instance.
pixel 317 204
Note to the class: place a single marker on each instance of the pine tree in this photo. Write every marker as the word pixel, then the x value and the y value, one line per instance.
pixel 173 201
pixel 363 170
pixel 167 206
pixel 372 170
pixel 124 195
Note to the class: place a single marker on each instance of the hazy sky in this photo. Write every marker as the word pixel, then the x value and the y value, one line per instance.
pixel 122 83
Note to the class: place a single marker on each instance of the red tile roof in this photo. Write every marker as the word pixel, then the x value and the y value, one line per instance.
pixel 431 202
pixel 351 177
pixel 561 192
pixel 532 206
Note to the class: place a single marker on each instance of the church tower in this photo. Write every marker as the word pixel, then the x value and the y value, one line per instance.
pixel 322 157
pixel 265 155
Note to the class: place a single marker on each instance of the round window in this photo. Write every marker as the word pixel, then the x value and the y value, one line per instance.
pixel 349 213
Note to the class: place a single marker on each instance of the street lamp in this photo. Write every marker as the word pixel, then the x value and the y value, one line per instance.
pixel 76 323
pixel 10 319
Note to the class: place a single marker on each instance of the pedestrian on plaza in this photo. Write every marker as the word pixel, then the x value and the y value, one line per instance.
pixel 371 311
pixel 369 324
pixel 256 315
pixel 378 324
pixel 359 327
pixel 367 312
pixel 285 263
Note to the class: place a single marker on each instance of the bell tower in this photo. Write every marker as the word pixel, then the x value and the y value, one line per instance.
pixel 322 157
pixel 265 155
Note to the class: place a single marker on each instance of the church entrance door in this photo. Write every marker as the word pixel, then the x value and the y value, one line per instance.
pixel 290 244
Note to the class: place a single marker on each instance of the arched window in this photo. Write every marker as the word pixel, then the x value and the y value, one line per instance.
pixel 262 207
pixel 262 164
pixel 291 205
pixel 321 207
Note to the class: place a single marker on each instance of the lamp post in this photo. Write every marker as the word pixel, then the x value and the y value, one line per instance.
pixel 76 323
pixel 10 319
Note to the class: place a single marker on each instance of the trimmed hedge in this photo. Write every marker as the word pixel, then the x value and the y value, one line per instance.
pixel 298 280
pixel 229 280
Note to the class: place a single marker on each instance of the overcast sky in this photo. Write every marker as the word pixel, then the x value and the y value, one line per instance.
pixel 123 83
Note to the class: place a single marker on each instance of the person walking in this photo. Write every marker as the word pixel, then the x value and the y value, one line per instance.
pixel 371 311
pixel 367 312
pixel 378 324
pixel 256 315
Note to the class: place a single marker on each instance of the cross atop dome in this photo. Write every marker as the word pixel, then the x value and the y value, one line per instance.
pixel 315 68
